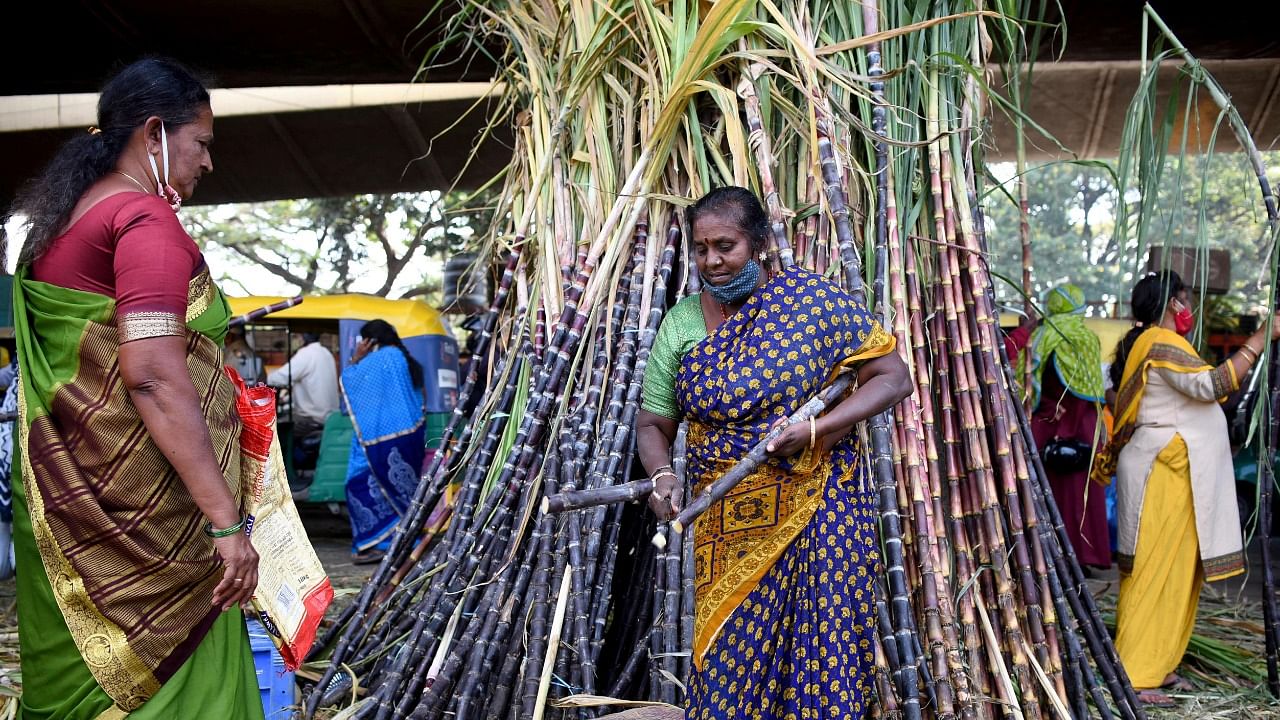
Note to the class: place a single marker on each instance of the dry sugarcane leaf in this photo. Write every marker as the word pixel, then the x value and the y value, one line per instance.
pixel 866 40
pixel 353 710
pixel 582 701
pixel 1001 670
pixel 1046 683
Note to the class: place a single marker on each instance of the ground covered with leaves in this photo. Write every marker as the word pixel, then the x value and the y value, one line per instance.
pixel 1225 664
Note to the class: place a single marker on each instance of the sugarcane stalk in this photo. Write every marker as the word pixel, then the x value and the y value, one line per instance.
pixel 716 491
pixel 607 495
pixel 538 629
pixel 763 147
pixel 259 313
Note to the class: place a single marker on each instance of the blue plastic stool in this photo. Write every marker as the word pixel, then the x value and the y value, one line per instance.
pixel 274 683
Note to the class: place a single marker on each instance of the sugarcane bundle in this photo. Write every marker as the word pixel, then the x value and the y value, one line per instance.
pixel 857 127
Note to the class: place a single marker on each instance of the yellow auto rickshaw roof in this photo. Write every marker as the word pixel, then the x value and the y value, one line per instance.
pixel 409 317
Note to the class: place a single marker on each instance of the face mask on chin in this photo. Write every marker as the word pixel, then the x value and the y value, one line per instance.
pixel 739 287
pixel 1184 320
pixel 163 188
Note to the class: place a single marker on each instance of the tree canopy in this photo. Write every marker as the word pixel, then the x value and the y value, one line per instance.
pixel 390 245
pixel 1073 211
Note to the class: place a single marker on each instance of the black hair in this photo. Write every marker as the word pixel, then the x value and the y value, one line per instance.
pixel 153 86
pixel 381 332
pixel 739 203
pixel 310 337
pixel 1148 302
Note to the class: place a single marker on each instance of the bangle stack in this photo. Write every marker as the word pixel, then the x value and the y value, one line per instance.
pixel 224 532
pixel 663 471
pixel 1250 354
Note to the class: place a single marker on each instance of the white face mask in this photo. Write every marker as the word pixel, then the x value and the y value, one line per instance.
pixel 163 189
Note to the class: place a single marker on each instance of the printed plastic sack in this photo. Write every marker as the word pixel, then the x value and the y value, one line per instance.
pixel 293 589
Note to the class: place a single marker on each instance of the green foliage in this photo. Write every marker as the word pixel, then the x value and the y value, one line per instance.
pixel 388 245
pixel 1205 202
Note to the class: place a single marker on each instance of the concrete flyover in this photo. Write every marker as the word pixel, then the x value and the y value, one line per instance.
pixel 312 101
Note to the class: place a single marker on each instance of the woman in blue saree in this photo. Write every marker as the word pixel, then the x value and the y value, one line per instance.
pixel 785 564
pixel 383 390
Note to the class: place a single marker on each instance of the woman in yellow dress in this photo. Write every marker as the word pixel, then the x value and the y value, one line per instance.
pixel 1176 512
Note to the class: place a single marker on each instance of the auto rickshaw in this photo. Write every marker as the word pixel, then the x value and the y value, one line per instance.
pixel 426 335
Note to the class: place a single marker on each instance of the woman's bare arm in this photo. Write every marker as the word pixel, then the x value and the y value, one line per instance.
pixel 155 373
pixel 654 435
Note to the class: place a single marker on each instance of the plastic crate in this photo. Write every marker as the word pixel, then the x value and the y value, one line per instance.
pixel 275 684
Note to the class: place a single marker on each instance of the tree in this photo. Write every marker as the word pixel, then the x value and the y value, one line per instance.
pixel 387 245
pixel 1202 202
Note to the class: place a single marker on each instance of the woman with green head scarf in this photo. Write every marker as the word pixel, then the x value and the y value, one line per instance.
pixel 1066 388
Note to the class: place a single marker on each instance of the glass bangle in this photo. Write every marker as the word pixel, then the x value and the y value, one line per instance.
pixel 224 532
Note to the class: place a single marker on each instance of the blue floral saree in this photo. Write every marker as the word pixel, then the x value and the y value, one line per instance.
pixel 785 563
pixel 388 447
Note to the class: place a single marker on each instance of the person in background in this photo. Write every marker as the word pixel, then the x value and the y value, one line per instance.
pixel 128 520
pixel 312 378
pixel 1176 503
pixel 9 373
pixel 241 356
pixel 1064 361
pixel 383 388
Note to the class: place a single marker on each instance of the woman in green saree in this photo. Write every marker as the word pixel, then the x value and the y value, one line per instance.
pixel 128 524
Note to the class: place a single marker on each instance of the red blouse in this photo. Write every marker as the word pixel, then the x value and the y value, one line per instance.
pixel 131 247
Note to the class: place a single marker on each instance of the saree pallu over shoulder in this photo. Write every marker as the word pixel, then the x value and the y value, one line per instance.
pixel 118 534
pixel 388 447
pixel 787 341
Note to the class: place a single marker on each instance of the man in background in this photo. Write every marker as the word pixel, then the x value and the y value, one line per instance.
pixel 312 378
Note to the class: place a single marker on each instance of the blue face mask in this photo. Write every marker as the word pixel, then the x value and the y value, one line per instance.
pixel 739 287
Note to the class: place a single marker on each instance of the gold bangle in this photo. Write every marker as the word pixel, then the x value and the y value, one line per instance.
pixel 813 433
pixel 1250 353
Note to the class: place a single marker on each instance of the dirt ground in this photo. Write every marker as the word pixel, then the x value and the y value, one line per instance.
pixel 1230 611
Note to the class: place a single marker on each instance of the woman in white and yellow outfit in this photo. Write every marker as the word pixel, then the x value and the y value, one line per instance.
pixel 1177 520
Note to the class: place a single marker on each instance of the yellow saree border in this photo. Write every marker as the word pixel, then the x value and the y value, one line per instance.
pixel 718 602
pixel 102 644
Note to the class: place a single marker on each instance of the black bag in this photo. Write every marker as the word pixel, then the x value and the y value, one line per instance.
pixel 1066 456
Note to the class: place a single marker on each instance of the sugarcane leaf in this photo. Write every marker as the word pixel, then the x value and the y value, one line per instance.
pixel 582 701
pixel 672 679
pixel 354 710
pixel 883 35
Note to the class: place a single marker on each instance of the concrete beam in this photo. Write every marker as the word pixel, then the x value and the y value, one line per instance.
pixel 45 112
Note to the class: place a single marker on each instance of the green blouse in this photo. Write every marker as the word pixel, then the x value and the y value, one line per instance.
pixel 682 328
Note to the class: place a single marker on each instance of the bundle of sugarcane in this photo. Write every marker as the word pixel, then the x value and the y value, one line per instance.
pixel 624 112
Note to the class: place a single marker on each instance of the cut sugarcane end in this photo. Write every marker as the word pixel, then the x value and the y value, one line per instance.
pixel 546 505
pixel 677 527
pixel 659 541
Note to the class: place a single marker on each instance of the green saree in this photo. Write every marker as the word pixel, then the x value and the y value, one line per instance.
pixel 115 574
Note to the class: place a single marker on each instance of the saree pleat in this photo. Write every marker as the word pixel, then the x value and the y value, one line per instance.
pixel 784 563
